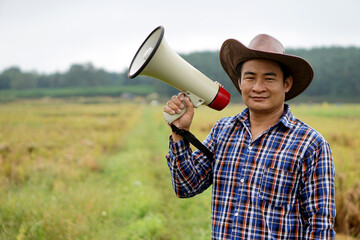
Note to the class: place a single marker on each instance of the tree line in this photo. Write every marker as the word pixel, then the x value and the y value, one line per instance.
pixel 337 76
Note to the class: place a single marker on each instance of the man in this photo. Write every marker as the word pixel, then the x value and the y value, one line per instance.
pixel 272 175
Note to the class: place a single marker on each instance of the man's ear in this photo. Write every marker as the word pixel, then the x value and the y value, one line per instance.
pixel 288 83
pixel 239 83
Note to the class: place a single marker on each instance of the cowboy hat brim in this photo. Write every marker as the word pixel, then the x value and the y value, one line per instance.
pixel 233 52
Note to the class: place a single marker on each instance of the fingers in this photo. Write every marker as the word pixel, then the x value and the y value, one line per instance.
pixel 178 101
pixel 175 105
pixel 180 104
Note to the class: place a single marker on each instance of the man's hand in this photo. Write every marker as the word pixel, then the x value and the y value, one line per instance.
pixel 175 105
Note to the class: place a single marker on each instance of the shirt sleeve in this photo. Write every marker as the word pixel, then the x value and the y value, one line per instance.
pixel 191 172
pixel 318 193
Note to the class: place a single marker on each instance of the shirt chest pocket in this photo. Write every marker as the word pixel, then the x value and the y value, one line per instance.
pixel 278 187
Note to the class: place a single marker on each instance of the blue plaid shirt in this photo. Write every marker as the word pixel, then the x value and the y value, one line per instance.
pixel 279 186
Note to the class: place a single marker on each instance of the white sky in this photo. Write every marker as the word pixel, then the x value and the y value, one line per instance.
pixel 49 35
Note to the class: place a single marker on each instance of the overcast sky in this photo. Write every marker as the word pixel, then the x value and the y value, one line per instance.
pixel 49 35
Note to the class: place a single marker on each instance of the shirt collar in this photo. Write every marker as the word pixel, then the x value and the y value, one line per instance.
pixel 287 119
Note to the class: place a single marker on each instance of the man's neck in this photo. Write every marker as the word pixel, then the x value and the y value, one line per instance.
pixel 261 121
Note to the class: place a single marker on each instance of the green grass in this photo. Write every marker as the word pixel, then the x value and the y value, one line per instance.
pixel 328 110
pixel 11 95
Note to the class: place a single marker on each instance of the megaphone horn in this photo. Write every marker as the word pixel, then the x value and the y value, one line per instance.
pixel 155 59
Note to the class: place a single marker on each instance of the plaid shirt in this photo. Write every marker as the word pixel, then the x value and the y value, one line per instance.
pixel 279 186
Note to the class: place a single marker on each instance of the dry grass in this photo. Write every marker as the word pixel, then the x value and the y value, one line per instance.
pixel 58 137
pixel 60 183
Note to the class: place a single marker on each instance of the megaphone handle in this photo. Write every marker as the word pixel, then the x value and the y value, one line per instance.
pixel 196 101
pixel 169 118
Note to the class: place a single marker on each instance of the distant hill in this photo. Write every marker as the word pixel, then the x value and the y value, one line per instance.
pixel 336 72
pixel 337 78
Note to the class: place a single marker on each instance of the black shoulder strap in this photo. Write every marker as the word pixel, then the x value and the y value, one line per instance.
pixel 193 140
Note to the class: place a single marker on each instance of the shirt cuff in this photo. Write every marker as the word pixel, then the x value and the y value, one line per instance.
pixel 178 148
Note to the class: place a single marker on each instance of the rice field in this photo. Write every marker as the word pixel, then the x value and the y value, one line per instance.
pixel 95 169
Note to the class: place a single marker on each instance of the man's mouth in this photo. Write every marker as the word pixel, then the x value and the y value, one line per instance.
pixel 258 98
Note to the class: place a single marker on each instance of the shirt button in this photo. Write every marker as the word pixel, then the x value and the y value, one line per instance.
pixel 242 180
pixel 236 214
pixel 250 147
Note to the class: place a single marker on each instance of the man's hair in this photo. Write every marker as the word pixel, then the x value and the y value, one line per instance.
pixel 284 69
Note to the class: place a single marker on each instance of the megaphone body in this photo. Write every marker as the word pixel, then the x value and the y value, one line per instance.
pixel 156 59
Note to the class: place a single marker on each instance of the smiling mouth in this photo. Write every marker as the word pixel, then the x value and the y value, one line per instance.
pixel 258 98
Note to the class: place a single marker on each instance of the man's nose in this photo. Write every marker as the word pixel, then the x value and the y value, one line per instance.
pixel 258 86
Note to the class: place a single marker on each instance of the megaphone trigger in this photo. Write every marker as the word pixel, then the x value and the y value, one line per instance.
pixel 196 100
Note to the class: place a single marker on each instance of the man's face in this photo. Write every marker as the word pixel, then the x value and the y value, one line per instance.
pixel 262 85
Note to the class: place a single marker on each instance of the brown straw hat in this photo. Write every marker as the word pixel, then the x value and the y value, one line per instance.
pixel 263 46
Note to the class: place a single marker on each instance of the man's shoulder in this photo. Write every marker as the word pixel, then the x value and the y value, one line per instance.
pixel 307 132
pixel 299 127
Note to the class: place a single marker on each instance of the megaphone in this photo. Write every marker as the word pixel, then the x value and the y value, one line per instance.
pixel 155 59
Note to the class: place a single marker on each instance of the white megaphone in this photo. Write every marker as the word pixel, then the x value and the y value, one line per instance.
pixel 155 59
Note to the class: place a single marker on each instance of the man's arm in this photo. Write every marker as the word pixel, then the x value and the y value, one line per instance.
pixel 318 194
pixel 190 173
